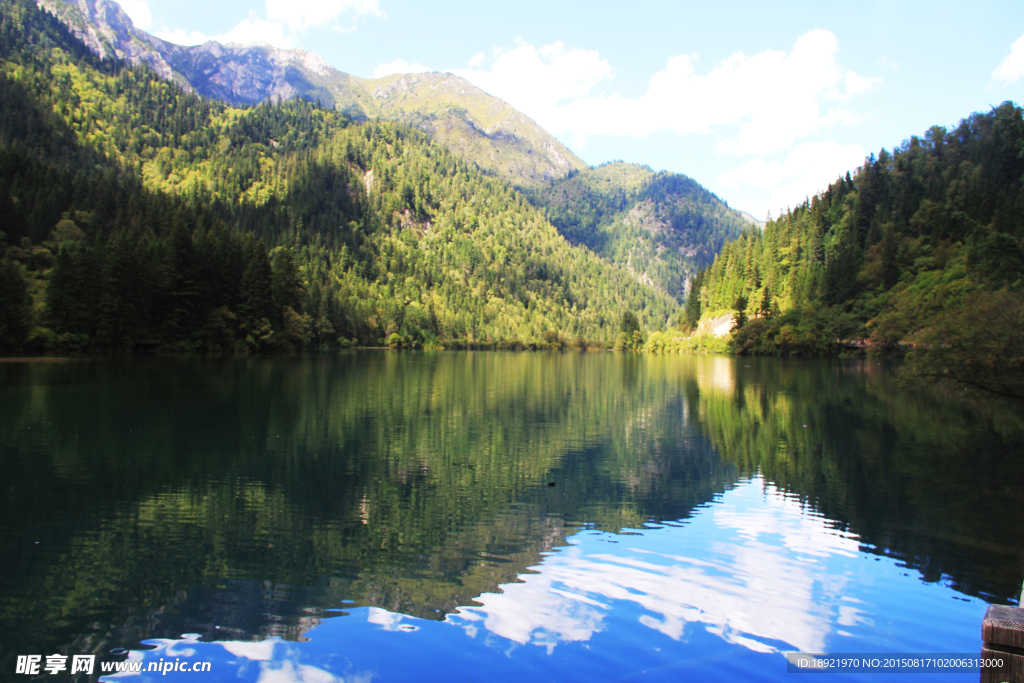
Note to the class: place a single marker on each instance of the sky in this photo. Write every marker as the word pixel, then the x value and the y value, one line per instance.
pixel 763 103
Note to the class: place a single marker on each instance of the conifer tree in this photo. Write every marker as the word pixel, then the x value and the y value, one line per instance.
pixel 288 289
pixel 15 307
pixel 256 308
pixel 70 292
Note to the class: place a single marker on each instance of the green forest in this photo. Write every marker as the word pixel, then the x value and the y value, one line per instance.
pixel 662 226
pixel 920 252
pixel 135 214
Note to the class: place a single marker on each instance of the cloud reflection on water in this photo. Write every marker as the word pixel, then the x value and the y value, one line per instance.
pixel 266 661
pixel 749 568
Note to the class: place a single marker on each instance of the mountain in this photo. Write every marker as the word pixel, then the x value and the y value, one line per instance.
pixel 921 249
pixel 750 219
pixel 663 227
pixel 481 129
pixel 476 126
pixel 134 212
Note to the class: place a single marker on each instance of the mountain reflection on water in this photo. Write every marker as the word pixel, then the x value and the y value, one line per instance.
pixel 752 578
pixel 292 508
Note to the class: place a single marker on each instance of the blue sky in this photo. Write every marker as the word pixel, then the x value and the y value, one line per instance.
pixel 763 103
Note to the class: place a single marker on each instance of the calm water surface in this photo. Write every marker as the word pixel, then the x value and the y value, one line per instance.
pixel 500 517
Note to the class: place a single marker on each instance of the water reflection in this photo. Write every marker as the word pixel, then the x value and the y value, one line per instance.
pixel 749 576
pixel 268 661
pixel 716 375
pixel 276 500
pixel 933 482
pixel 749 569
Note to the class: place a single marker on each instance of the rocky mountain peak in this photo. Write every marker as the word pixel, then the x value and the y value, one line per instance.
pixel 109 32
pixel 482 129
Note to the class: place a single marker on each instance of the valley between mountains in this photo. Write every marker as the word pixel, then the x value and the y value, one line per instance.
pixel 245 198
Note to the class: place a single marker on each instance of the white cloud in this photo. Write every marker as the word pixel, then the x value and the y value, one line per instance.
pixel 262 651
pixel 138 11
pixel 399 66
pixel 281 23
pixel 537 81
pixel 808 169
pixel 298 15
pixel 855 85
pixel 275 666
pixel 180 36
pixel 1012 67
pixel 390 621
pixel 761 103
pixel 293 672
pixel 255 30
pixel 776 106
pixel 746 588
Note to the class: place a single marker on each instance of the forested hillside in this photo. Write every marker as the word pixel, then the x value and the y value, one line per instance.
pixel 133 212
pixel 662 226
pixel 923 247
pixel 478 128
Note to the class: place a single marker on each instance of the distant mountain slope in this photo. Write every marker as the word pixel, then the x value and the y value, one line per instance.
pixel 479 128
pixel 750 219
pixel 474 125
pixel 922 246
pixel 663 227
pixel 131 212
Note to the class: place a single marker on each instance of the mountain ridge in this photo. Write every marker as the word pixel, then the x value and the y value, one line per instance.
pixel 660 227
pixel 663 227
pixel 133 210
pixel 646 236
pixel 479 127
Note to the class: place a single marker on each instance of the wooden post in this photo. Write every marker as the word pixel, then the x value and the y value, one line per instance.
pixel 1003 636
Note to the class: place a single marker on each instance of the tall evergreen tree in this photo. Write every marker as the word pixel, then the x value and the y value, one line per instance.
pixel 288 289
pixel 15 307
pixel 256 309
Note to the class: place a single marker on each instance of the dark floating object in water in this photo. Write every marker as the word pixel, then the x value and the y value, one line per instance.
pixel 551 483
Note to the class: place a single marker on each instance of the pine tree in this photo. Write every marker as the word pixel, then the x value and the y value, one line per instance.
pixel 288 288
pixel 15 307
pixel 693 301
pixel 70 292
pixel 257 297
pixel 181 300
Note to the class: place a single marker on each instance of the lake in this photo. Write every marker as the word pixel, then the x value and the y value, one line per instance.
pixel 402 516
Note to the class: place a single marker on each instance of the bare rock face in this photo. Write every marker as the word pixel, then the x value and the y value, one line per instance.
pixel 718 326
pixel 482 129
pixel 109 32
pixel 237 74
pixel 249 74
